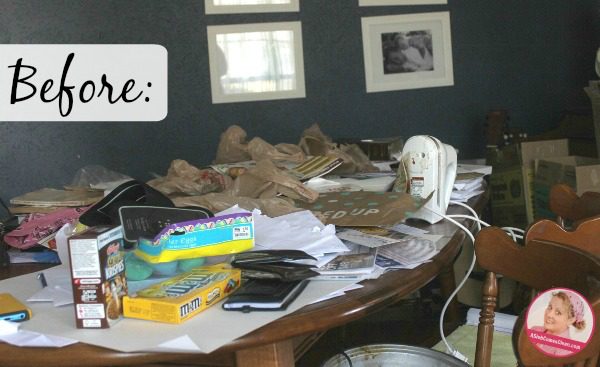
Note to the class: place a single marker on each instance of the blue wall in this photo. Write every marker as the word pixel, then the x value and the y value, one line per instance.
pixel 531 57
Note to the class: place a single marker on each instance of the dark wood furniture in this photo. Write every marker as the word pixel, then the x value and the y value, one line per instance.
pixel 577 223
pixel 541 265
pixel 568 206
pixel 283 341
pixel 585 237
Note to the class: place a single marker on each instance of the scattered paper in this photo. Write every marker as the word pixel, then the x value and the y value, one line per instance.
pixel 300 231
pixel 389 264
pixel 125 335
pixel 339 293
pixel 365 239
pixel 473 168
pixel 10 333
pixel 404 228
pixel 58 290
pixel 414 251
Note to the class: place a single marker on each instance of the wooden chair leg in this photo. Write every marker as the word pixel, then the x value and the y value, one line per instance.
pixel 485 331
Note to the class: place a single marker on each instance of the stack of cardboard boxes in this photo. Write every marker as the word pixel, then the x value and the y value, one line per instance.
pixel 581 173
pixel 524 173
pixel 522 176
pixel 512 179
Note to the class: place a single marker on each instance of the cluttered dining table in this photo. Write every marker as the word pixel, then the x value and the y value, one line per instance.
pixel 353 251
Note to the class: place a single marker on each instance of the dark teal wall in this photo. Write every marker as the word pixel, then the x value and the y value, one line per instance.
pixel 532 57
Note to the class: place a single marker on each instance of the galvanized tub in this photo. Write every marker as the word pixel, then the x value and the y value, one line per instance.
pixel 391 355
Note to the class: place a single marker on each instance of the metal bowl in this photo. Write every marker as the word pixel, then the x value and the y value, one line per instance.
pixel 391 355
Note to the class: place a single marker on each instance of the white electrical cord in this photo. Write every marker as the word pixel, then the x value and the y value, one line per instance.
pixel 475 217
pixel 510 230
pixel 470 210
pixel 450 348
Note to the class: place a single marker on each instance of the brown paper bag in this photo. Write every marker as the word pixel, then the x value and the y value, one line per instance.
pixel 232 146
pixel 314 142
pixel 272 207
pixel 184 178
pixel 261 150
pixel 266 180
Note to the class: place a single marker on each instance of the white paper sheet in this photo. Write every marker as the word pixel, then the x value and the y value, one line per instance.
pixel 58 289
pixel 222 326
pixel 300 231
pixel 475 168
pixel 10 333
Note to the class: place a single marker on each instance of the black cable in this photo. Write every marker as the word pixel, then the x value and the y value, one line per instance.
pixel 343 353
pixel 4 259
pixel 4 227
pixel 5 206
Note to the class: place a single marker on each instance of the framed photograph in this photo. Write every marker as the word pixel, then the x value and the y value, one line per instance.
pixel 399 2
pixel 256 62
pixel 250 6
pixel 407 51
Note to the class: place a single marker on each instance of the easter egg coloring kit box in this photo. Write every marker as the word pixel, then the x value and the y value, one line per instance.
pixel 183 296
pixel 220 235
pixel 98 276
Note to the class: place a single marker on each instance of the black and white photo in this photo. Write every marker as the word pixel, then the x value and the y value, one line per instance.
pixel 407 51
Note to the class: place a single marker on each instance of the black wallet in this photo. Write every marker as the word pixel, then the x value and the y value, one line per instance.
pixel 274 264
pixel 264 295
pixel 282 271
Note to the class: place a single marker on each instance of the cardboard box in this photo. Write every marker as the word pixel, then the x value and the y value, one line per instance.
pixel 525 153
pixel 183 296
pixel 580 173
pixel 512 179
pixel 98 276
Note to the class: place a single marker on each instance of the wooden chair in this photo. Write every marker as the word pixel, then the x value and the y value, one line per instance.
pixel 540 265
pixel 568 206
pixel 586 237
pixel 577 223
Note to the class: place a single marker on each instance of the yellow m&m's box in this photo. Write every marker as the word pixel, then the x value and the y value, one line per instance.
pixel 181 297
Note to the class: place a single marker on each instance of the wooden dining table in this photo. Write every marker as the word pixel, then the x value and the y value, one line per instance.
pixel 283 341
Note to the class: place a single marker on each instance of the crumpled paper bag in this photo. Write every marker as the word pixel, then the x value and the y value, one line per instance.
pixel 314 142
pixel 216 202
pixel 234 148
pixel 185 178
pixel 261 150
pixel 266 181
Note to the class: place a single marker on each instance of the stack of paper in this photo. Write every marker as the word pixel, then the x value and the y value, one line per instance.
pixel 358 263
pixel 396 249
pixel 296 231
pixel 469 181
pixel 376 181
pixel 409 252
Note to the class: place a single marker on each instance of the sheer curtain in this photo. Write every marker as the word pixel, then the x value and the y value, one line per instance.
pixel 258 61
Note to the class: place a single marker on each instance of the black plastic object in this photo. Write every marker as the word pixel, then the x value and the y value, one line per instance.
pixel 147 221
pixel 134 192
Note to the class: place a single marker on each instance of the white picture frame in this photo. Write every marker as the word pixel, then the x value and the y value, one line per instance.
pixel 407 51
pixel 250 6
pixel 400 2
pixel 256 62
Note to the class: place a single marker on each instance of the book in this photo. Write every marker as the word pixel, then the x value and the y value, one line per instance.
pixel 315 167
pixel 57 198
pixel 264 295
